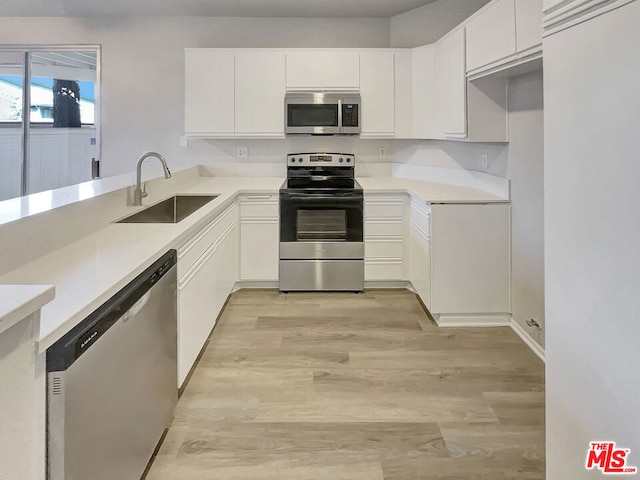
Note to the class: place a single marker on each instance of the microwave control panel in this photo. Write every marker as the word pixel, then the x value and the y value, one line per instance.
pixel 349 114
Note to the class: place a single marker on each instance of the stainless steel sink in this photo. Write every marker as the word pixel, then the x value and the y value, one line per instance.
pixel 172 210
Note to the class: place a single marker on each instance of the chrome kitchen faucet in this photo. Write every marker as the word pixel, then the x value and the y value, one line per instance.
pixel 138 194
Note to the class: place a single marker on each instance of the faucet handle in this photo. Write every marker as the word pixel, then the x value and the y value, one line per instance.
pixel 144 190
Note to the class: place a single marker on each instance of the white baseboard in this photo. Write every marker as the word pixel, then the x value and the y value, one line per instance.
pixel 370 284
pixel 388 284
pixel 495 320
pixel 526 338
pixel 254 284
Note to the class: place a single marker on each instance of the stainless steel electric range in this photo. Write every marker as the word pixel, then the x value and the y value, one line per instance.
pixel 321 224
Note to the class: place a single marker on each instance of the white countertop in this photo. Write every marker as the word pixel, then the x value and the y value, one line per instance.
pixel 428 191
pixel 17 302
pixel 90 270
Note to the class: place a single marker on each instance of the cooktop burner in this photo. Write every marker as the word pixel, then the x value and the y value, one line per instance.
pixel 332 183
pixel 321 173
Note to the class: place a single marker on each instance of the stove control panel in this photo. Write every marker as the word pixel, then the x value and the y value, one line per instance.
pixel 321 159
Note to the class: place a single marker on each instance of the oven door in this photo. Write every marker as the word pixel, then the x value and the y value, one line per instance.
pixel 321 226
pixel 317 114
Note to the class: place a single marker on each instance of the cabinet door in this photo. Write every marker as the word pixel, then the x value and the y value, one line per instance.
pixel 451 85
pixel 424 92
pixel 259 250
pixel 209 92
pixel 419 251
pixel 259 93
pixel 403 94
pixel 259 237
pixel 528 25
pixel 328 70
pixel 491 36
pixel 419 269
pixel 377 91
pixel 230 249
pixel 198 308
pixel 470 259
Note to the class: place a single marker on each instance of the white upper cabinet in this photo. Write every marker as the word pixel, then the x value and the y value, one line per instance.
pixel 451 85
pixel 424 92
pixel 528 26
pixel 551 4
pixel 323 70
pixel 377 90
pixel 503 34
pixel 259 93
pixel 403 95
pixel 491 36
pixel 209 92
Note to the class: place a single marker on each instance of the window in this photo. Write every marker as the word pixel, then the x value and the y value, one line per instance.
pixel 49 122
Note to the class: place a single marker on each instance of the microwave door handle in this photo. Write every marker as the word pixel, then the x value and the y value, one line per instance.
pixel 340 130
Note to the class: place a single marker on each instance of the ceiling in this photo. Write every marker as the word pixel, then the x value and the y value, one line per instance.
pixel 219 8
pixel 79 59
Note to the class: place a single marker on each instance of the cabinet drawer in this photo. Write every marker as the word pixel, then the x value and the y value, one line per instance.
pixel 193 249
pixel 384 228
pixel 390 249
pixel 259 206
pixel 390 207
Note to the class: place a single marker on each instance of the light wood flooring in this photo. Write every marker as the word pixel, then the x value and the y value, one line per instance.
pixel 344 386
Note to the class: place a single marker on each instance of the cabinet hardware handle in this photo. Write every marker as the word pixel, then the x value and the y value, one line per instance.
pixel 259 197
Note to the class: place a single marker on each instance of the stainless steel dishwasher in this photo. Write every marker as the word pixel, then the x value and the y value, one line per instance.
pixel 112 382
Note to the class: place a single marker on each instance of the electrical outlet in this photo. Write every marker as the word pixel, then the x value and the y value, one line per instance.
pixel 383 152
pixel 485 161
pixel 533 323
pixel 242 152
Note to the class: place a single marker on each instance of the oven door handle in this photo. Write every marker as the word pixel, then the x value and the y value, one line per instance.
pixel 332 196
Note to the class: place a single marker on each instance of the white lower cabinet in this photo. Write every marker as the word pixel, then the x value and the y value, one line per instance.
pixel 470 263
pixel 384 237
pixel 207 272
pixel 259 237
pixel 419 249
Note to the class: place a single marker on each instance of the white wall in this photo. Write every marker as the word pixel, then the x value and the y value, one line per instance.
pixel 143 69
pixel 455 155
pixel 592 234
pixel 526 171
pixel 426 24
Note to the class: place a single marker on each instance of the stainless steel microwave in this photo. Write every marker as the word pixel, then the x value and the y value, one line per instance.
pixel 322 113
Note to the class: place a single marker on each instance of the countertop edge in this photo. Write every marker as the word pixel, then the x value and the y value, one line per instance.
pixel 28 299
